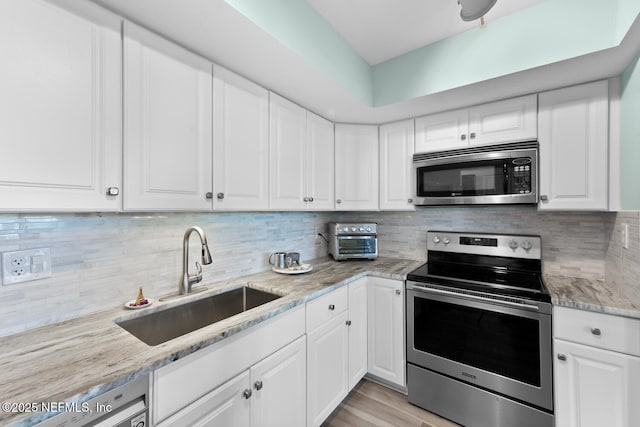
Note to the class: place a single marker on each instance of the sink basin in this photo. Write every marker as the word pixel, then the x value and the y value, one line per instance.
pixel 161 326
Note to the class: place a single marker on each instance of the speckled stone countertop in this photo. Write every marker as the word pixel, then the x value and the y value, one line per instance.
pixel 594 295
pixel 79 359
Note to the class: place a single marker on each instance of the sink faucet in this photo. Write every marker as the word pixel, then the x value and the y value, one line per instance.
pixel 187 280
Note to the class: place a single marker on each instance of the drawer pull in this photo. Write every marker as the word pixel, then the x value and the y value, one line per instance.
pixel 596 331
pixel 332 307
pixel 258 385
pixel 348 322
pixel 246 393
pixel 562 357
pixel 398 291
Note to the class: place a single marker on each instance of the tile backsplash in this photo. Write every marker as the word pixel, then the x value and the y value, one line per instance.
pixel 623 264
pixel 99 260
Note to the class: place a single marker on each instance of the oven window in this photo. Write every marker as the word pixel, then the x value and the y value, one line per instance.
pixel 462 179
pixel 365 245
pixel 501 343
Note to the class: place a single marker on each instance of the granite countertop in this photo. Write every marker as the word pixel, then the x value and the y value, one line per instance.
pixel 76 360
pixel 594 295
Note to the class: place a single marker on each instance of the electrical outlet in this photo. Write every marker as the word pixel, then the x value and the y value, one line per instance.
pixel 23 266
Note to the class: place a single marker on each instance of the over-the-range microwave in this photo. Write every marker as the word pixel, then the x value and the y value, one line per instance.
pixel 497 174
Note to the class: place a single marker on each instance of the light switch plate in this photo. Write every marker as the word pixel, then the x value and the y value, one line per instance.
pixel 23 266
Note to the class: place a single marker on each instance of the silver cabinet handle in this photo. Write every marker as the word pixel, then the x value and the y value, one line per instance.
pixel 463 137
pixel 113 191
pixel 332 307
pixel 257 385
pixel 209 195
pixel 472 135
pixel 562 357
pixel 596 331
pixel 544 198
pixel 246 393
pixel 348 322
pixel 220 196
pixel 398 291
pixel 339 201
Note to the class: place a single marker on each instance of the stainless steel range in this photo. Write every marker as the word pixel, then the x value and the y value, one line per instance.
pixel 479 331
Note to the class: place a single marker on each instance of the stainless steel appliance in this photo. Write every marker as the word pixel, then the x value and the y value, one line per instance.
pixel 353 240
pixel 479 331
pixel 124 406
pixel 497 174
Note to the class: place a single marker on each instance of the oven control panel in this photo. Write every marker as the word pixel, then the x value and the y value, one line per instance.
pixel 506 245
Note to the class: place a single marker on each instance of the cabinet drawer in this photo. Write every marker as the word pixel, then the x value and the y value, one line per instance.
pixel 325 308
pixel 605 331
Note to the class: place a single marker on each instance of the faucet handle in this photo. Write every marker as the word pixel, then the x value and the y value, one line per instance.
pixel 199 268
pixel 196 278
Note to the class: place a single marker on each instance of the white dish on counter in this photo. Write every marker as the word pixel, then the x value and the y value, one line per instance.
pixel 298 269
pixel 129 305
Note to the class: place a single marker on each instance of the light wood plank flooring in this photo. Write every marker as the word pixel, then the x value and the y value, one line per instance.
pixel 370 404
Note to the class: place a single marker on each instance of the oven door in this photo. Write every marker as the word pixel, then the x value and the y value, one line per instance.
pixel 357 246
pixel 497 345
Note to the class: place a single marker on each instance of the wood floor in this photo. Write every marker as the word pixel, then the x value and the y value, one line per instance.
pixel 370 404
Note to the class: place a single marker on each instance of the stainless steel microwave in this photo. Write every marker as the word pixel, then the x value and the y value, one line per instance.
pixel 497 174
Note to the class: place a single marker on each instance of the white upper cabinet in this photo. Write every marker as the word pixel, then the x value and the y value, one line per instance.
pixel 240 143
pixel 61 109
pixel 504 121
pixel 498 122
pixel 168 125
pixel 301 158
pixel 573 135
pixel 396 151
pixel 356 167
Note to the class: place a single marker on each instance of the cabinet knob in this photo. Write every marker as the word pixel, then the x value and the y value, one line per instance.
pixel 562 357
pixel 339 201
pixel 113 191
pixel 398 291
pixel 220 196
pixel 472 135
pixel 410 200
pixel 463 137
pixel 596 331
pixel 257 385
pixel 332 307
pixel 209 195
pixel 348 322
pixel 544 198
pixel 246 393
pixel 306 199
pixel 311 199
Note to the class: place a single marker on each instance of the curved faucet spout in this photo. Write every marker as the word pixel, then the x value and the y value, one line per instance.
pixel 187 280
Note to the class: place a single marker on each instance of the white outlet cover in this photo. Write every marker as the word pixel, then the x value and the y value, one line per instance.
pixel 18 267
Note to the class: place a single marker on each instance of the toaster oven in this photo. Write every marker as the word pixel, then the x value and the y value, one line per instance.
pixel 353 240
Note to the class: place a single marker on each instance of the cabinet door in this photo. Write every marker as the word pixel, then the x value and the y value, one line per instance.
pixel 386 330
pixel 327 368
pixel 240 143
pixel 279 388
pixel 595 387
pixel 357 331
pixel 504 121
pixel 573 136
pixel 287 132
pixel 443 131
pixel 61 107
pixel 225 406
pixel 356 167
pixel 320 163
pixel 396 151
pixel 168 125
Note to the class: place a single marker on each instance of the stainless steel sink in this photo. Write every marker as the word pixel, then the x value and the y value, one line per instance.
pixel 161 326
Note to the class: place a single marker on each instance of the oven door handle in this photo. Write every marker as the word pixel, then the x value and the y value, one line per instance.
pixel 472 297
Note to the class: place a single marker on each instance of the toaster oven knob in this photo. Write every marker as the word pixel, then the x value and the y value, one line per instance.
pixel 369 229
pixel 446 240
pixel 436 239
pixel 513 244
pixel 353 229
pixel 526 245
pixel 361 229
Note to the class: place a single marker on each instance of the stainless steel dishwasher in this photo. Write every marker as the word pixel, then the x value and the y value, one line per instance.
pixel 127 405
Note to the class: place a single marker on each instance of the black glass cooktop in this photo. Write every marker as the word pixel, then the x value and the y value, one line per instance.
pixel 497 275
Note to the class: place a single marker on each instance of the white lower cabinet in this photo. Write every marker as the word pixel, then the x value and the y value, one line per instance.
pixel 198 387
pixel 336 348
pixel 386 349
pixel 596 369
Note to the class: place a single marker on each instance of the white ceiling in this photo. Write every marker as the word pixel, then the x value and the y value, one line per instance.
pixel 221 34
pixel 383 29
